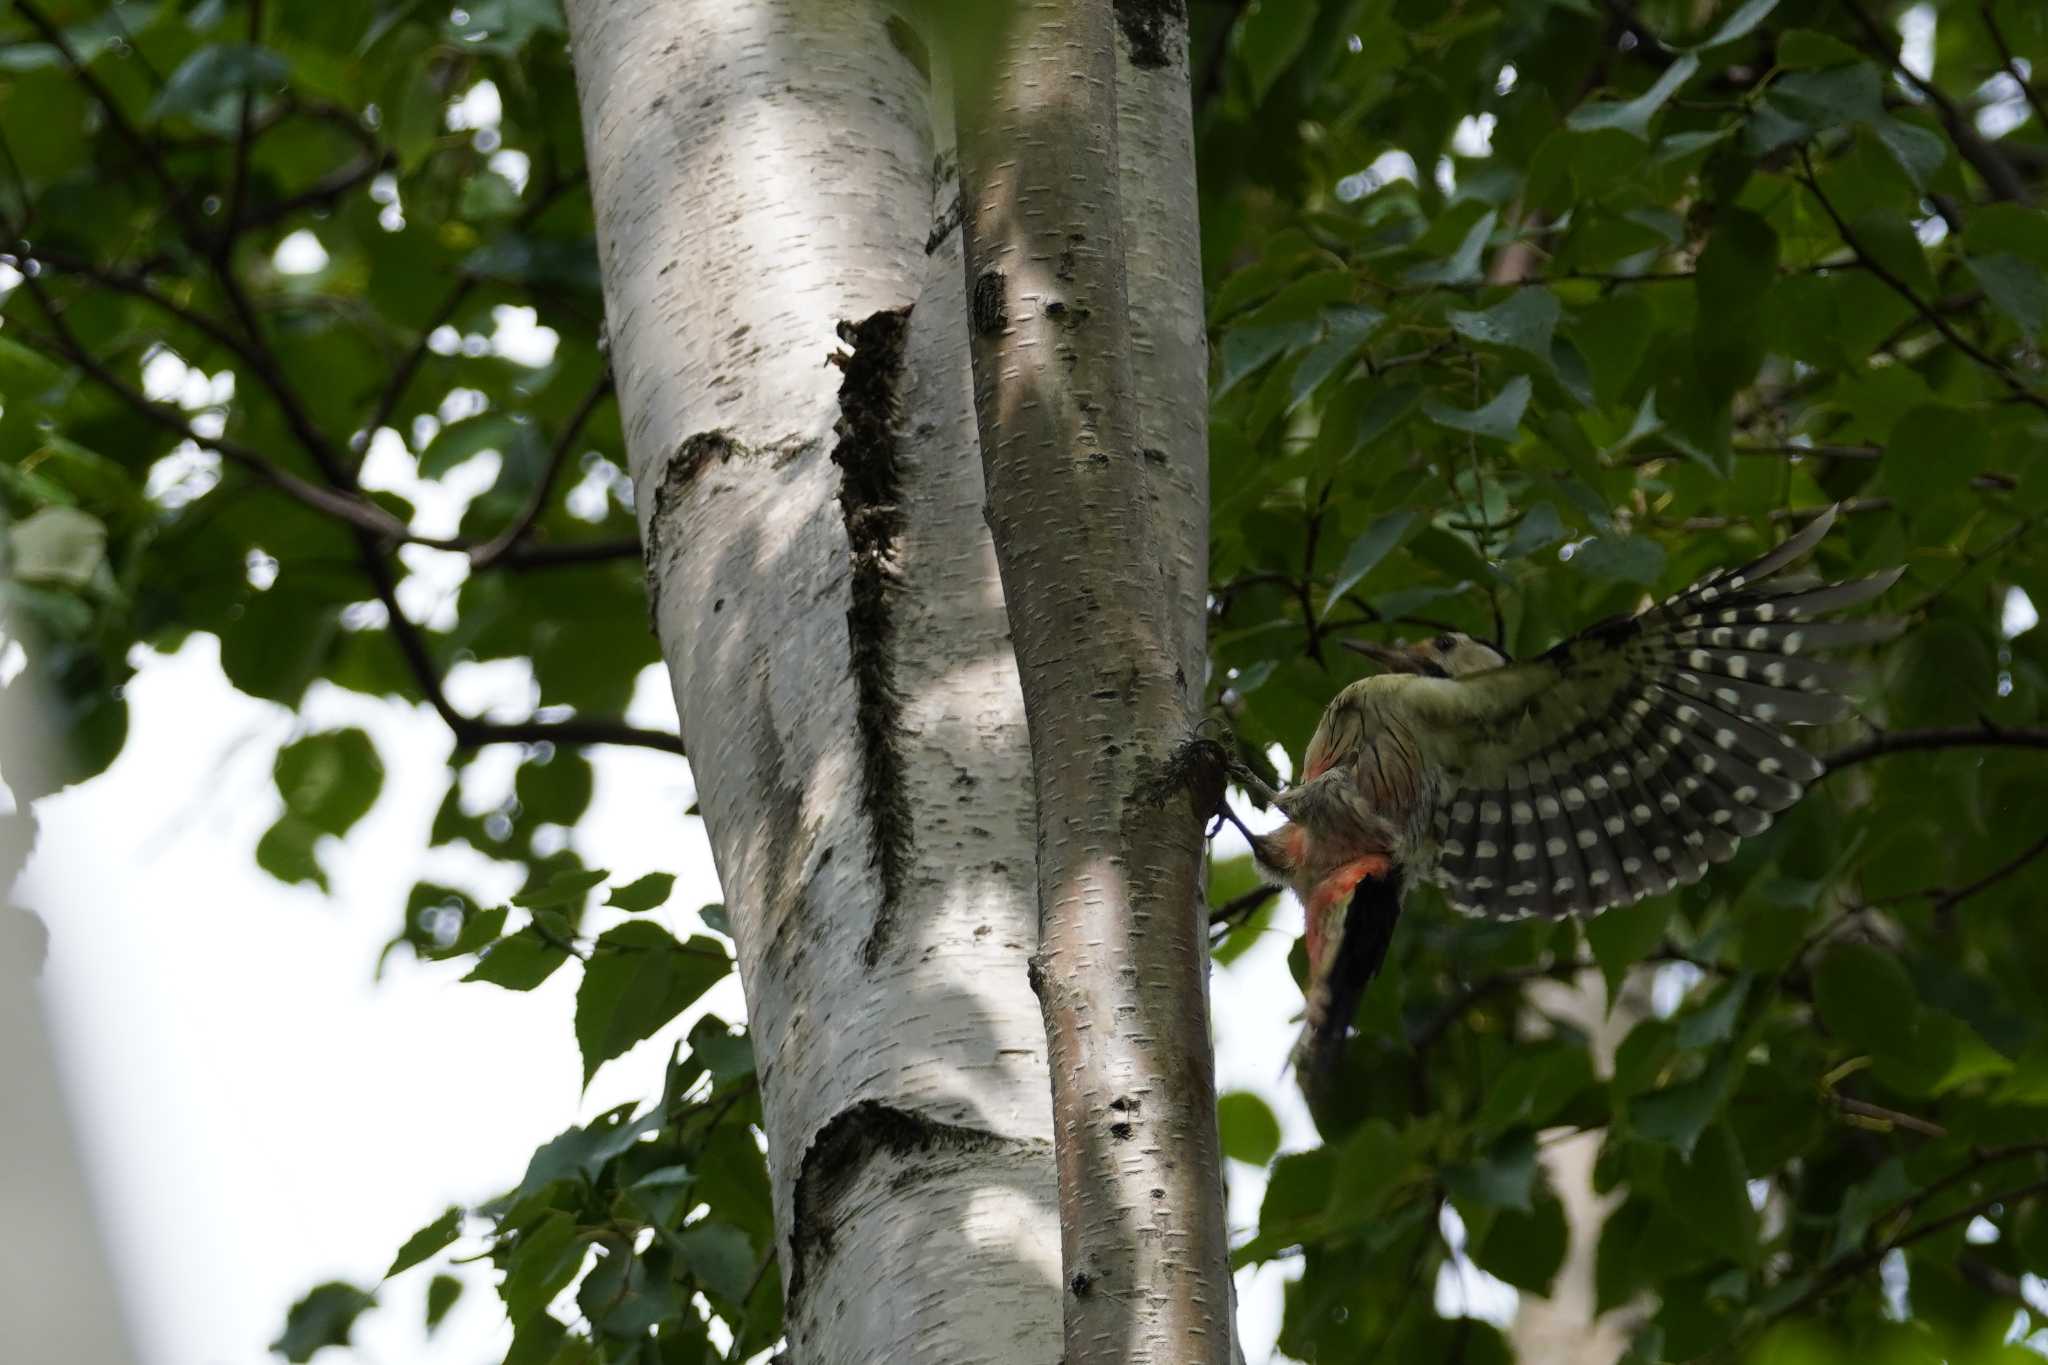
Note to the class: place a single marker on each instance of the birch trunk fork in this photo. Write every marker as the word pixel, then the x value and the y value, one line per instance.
pixel 773 185
pixel 828 606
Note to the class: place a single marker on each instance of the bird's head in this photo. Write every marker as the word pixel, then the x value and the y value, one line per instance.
pixel 1450 655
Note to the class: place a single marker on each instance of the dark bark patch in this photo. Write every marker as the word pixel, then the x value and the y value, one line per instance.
pixel 1150 27
pixel 947 223
pixel 987 308
pixel 1199 767
pixel 870 499
pixel 690 459
pixel 839 1152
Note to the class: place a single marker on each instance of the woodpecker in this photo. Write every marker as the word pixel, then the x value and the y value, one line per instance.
pixel 1618 765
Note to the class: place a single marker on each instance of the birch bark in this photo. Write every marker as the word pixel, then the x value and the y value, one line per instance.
pixel 770 193
pixel 1098 509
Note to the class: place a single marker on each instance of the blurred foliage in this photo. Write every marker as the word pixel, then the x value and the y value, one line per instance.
pixel 1523 312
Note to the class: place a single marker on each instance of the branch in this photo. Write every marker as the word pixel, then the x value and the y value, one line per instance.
pixel 1948 900
pixel 245 138
pixel 2021 390
pixel 567 555
pixel 1972 559
pixel 358 512
pixel 1990 163
pixel 491 551
pixel 1983 736
pixel 2012 66
pixel 577 730
pixel 1858 1265
pixel 1225 916
pixel 401 377
pixel 118 120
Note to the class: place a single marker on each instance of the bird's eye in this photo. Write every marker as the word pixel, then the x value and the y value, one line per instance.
pixel 1445 643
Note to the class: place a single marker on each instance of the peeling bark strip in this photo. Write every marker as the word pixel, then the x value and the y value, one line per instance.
pixel 1149 25
pixel 870 496
pixel 846 1144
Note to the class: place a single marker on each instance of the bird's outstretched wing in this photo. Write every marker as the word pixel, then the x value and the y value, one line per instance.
pixel 1625 760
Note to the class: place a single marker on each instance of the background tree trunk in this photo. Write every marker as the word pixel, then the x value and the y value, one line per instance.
pixel 769 193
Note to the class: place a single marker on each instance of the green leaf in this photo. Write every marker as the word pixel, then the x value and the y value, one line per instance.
pixel 1524 321
pixel 1633 116
pixel 539 1265
pixel 1249 347
pixel 442 1292
pixel 1525 1249
pixel 329 779
pixel 430 1239
pixel 2016 286
pixel 287 852
pixel 61 546
pixel 1714 1022
pixel 1741 23
pixel 1866 999
pixel 727 1055
pixel 518 962
pixel 564 888
pixel 643 894
pixel 1504 1178
pixel 1346 330
pixel 1497 420
pixel 1624 936
pixel 1462 265
pixel 1250 1132
pixel 721 1258
pixel 1270 37
pixel 1934 450
pixel 583 1153
pixel 638 979
pixel 215 76
pixel 516 441
pixel 1678 1114
pixel 324 1317
pixel 1366 552
pixel 1627 559
pixel 279 643
pixel 1709 1193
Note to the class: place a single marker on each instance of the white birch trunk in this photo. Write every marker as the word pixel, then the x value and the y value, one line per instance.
pixel 1084 399
pixel 763 172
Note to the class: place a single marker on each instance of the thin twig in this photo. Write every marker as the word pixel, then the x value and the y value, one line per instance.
pixel 1949 900
pixel 1989 161
pixel 2020 388
pixel 1973 559
pixel 1982 736
pixel 2012 66
pixel 1224 917
pixel 488 553
pixel 1857 1265
pixel 408 366
pixel 245 137
pixel 360 513
pixel 1876 1117
pixel 173 194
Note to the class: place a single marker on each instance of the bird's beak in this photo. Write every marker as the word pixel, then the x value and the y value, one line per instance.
pixel 1398 658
